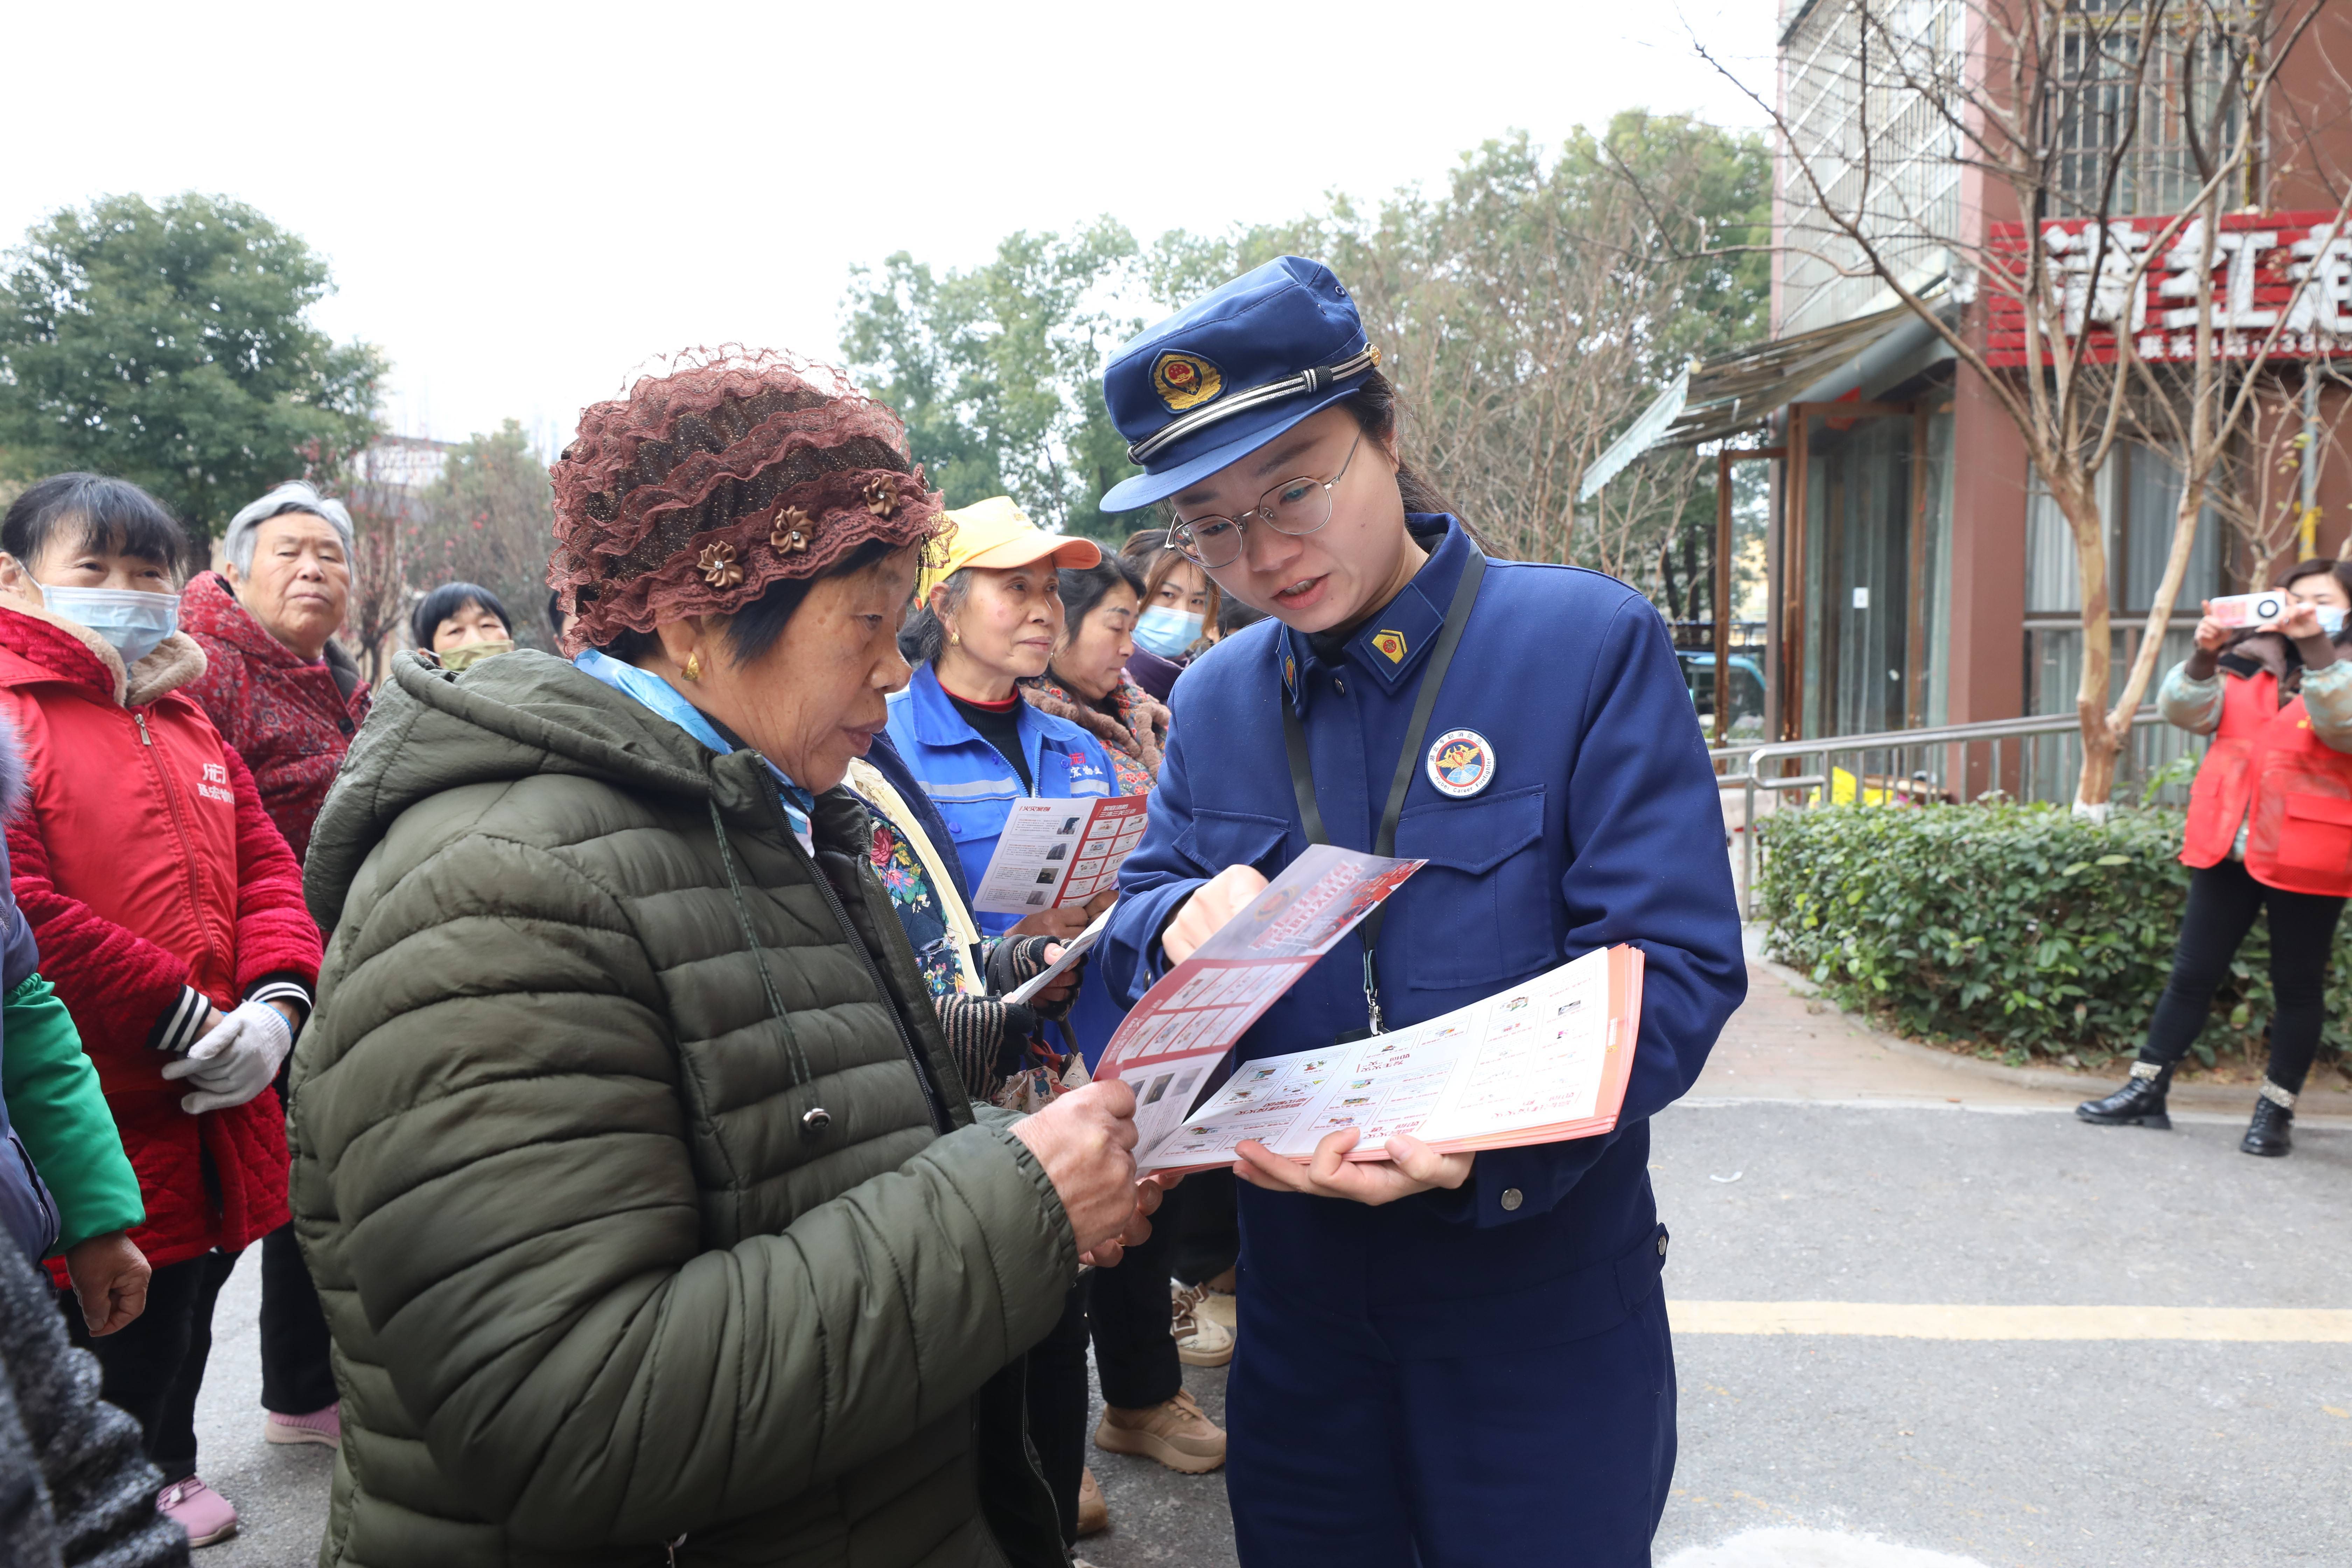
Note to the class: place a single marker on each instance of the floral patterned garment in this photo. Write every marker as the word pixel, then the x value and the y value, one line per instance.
pixel 917 904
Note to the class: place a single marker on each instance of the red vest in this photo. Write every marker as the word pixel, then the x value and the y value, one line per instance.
pixel 2266 760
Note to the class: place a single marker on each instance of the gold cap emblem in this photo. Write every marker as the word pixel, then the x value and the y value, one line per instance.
pixel 1185 381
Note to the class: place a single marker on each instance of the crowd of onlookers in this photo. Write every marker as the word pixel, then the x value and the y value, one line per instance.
pixel 168 747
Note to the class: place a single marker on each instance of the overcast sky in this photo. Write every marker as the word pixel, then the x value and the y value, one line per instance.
pixel 521 202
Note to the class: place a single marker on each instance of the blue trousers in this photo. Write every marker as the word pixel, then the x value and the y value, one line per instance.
pixel 1343 1453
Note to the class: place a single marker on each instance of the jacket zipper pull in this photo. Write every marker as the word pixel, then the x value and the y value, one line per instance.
pixel 144 738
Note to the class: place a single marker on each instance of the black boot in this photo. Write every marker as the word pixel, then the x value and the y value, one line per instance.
pixel 2268 1133
pixel 2139 1103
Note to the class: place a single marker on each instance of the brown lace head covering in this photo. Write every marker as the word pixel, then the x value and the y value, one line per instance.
pixel 715 478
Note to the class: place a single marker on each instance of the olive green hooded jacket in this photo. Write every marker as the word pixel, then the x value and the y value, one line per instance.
pixel 599 1274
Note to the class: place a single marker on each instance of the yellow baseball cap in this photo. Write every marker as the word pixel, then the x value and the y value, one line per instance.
pixel 995 534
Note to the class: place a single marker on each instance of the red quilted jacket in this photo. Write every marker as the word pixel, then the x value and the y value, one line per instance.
pixel 290 720
pixel 147 866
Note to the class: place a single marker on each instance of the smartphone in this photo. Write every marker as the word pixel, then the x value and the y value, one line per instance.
pixel 2261 609
pixel 2248 609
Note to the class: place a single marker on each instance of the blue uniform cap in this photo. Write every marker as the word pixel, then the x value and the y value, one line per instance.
pixel 1221 378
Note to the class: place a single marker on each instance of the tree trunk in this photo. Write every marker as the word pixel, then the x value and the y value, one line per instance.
pixel 2077 497
pixel 2102 750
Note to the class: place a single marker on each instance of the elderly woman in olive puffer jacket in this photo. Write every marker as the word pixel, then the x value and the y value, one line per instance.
pixel 650 1220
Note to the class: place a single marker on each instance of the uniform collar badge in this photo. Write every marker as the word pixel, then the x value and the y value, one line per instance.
pixel 1185 380
pixel 1393 647
pixel 1461 763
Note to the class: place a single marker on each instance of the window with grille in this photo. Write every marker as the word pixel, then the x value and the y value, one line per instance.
pixel 1870 86
pixel 2162 123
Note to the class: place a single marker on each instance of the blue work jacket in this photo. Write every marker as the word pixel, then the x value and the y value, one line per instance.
pixel 974 787
pixel 1600 824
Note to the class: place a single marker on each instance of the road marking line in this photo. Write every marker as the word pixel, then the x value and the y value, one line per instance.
pixel 1896 1320
pixel 2314 1121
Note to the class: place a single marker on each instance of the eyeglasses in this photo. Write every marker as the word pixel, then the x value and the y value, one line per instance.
pixel 1293 507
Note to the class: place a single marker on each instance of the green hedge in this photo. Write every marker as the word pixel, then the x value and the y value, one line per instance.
pixel 2024 928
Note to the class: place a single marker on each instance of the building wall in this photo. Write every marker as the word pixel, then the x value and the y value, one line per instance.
pixel 2310 131
pixel 1983 647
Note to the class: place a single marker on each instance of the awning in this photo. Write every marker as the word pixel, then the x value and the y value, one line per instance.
pixel 1742 388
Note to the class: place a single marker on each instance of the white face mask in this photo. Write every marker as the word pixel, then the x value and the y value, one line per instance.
pixel 1167 631
pixel 131 620
pixel 2331 617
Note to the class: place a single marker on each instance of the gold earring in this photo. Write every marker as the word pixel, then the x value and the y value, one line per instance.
pixel 955 637
pixel 694 667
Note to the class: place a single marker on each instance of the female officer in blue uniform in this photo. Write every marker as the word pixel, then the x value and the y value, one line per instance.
pixel 1444 1359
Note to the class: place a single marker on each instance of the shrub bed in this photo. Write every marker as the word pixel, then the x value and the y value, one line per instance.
pixel 2021 927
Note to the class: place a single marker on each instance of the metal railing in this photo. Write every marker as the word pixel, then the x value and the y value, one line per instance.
pixel 2006 759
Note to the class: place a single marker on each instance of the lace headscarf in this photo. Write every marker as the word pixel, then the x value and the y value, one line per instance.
pixel 718 475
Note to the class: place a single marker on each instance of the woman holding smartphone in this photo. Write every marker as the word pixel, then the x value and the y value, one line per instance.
pixel 1444 1359
pixel 2270 829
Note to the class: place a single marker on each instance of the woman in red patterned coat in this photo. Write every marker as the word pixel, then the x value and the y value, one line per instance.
pixel 287 699
pixel 170 917
pixel 278 687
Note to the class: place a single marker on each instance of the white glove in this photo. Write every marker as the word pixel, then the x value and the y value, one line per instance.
pixel 237 1060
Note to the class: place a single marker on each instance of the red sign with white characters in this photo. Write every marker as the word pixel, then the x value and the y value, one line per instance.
pixel 2282 285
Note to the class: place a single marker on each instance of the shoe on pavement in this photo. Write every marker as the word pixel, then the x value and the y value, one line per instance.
pixel 1177 1433
pixel 2269 1134
pixel 1094 1513
pixel 2139 1103
pixel 1200 1340
pixel 195 1508
pixel 321 1426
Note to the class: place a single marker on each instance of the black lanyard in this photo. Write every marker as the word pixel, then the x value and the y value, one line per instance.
pixel 1302 770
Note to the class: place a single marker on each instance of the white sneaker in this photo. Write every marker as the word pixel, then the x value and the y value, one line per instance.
pixel 1200 1340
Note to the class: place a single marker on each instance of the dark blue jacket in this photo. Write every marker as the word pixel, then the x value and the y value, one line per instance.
pixel 1601 825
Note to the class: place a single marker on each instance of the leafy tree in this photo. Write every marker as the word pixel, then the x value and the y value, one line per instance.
pixel 169 345
pixel 490 519
pixel 996 370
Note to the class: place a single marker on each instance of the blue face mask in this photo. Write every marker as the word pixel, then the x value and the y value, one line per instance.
pixel 1167 632
pixel 131 620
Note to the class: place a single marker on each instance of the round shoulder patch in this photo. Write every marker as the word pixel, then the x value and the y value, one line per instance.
pixel 1461 762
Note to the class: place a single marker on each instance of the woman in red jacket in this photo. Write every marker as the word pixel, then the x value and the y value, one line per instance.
pixel 2270 826
pixel 170 917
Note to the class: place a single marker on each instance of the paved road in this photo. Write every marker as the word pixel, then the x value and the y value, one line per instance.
pixel 2078 1454
pixel 1864 1178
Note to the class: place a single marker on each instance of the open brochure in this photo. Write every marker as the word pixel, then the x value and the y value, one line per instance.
pixel 1541 1062
pixel 1177 1034
pixel 1056 852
